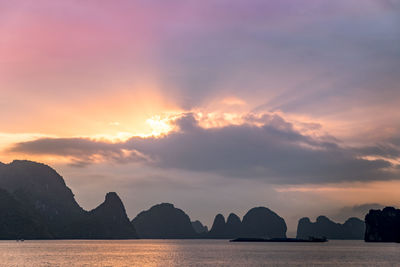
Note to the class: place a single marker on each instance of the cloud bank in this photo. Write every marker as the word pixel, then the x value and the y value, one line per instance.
pixel 271 149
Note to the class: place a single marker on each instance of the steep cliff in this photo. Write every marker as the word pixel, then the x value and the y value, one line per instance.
pixel 383 225
pixel 36 203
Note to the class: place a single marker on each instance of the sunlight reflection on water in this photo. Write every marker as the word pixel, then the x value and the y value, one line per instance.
pixel 195 253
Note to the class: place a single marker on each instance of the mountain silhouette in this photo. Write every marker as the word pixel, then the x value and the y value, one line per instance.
pixel 233 226
pixel 17 221
pixel 163 221
pixel 383 225
pixel 39 194
pixel 35 203
pixel 107 221
pixel 353 228
pixel 262 222
pixel 218 227
pixel 199 228
pixel 42 189
pixel 258 222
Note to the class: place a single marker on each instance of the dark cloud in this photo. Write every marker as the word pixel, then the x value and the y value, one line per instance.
pixel 274 151
pixel 387 150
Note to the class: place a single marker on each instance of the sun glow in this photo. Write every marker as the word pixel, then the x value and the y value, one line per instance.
pixel 160 126
pixel 157 126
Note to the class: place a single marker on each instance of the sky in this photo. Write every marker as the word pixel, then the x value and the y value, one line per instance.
pixel 215 106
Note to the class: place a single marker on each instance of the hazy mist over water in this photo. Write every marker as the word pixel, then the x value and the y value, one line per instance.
pixel 196 253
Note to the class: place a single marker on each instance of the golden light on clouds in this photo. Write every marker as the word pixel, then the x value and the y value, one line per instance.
pixel 7 139
pixel 159 126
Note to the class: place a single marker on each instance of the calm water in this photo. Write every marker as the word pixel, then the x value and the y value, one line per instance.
pixel 196 253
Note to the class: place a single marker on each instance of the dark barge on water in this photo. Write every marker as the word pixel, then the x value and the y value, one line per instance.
pixel 311 240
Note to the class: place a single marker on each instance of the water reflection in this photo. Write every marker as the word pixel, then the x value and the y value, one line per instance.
pixel 194 253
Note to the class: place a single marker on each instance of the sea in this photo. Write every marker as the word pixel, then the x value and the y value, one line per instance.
pixel 196 253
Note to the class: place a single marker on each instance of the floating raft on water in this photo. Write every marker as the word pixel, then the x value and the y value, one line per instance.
pixel 312 240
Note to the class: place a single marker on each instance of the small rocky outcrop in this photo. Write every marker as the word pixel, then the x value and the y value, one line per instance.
pixel 163 221
pixel 199 228
pixel 353 228
pixel 383 225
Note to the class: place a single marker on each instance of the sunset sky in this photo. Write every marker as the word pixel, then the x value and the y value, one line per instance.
pixel 216 106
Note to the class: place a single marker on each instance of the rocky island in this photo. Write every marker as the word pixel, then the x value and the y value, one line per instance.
pixel 37 204
pixel 353 228
pixel 383 225
pixel 164 221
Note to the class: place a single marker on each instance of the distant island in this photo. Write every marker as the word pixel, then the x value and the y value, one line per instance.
pixel 279 240
pixel 352 229
pixel 164 221
pixel 383 225
pixel 258 222
pixel 35 203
